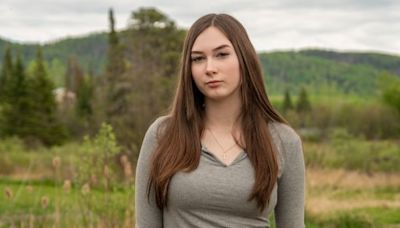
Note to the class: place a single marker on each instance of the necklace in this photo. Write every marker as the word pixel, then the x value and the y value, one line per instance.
pixel 224 151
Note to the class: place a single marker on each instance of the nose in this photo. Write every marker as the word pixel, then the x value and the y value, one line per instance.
pixel 210 67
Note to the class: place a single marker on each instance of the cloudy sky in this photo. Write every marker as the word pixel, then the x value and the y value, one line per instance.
pixel 344 25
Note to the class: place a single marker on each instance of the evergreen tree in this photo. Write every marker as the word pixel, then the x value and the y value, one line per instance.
pixel 154 48
pixel 117 87
pixel 287 102
pixel 303 103
pixel 84 98
pixel 5 75
pixel 115 84
pixel 17 110
pixel 44 123
pixel 115 58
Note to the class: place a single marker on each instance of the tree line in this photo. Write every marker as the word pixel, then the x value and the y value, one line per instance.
pixel 138 81
pixel 136 84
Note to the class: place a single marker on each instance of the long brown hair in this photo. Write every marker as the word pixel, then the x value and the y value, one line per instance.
pixel 179 145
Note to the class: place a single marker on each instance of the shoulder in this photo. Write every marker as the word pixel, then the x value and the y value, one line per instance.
pixel 287 143
pixel 150 140
pixel 283 133
pixel 156 126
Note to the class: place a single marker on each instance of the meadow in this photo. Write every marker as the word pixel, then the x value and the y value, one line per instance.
pixel 42 188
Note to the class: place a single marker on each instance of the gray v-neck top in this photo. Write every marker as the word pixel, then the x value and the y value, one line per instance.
pixel 216 195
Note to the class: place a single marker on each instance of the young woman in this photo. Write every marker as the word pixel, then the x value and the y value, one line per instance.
pixel 223 157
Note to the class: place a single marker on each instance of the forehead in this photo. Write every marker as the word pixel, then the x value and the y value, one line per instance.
pixel 209 39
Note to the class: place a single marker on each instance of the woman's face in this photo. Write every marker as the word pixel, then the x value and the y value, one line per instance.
pixel 215 65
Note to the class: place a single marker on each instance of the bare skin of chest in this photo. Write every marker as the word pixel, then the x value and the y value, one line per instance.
pixel 221 145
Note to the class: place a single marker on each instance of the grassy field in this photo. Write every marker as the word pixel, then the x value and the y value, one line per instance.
pixel 351 182
pixel 335 198
pixel 47 204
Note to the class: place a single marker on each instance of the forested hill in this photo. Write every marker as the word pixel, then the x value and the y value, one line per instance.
pixel 380 61
pixel 327 71
pixel 320 71
pixel 90 51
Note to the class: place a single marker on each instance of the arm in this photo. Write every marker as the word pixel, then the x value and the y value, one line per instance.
pixel 289 211
pixel 148 215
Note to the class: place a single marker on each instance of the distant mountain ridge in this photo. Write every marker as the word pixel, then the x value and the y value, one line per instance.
pixel 318 70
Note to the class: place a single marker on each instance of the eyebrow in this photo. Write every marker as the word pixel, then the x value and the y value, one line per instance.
pixel 215 49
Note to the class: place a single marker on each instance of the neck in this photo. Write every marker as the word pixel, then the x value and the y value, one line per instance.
pixel 222 114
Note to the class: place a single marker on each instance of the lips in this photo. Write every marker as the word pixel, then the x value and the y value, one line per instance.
pixel 213 82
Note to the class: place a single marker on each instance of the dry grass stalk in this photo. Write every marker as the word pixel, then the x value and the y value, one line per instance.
pixel 106 172
pixel 56 162
pixel 85 189
pixel 350 179
pixel 31 220
pixel 8 192
pixel 67 186
pixel 44 202
pixel 29 188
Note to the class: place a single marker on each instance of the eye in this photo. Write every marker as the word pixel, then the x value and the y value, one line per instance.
pixel 197 58
pixel 222 54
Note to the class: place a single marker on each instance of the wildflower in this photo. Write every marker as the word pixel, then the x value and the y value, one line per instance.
pixel 56 162
pixel 9 193
pixel 44 201
pixel 85 189
pixel 67 186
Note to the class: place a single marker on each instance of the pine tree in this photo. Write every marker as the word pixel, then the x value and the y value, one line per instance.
pixel 84 98
pixel 5 75
pixel 116 83
pixel 287 102
pixel 18 109
pixel 115 65
pixel 44 123
pixel 303 103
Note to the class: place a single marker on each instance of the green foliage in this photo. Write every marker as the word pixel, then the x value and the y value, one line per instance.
pixel 115 57
pixel 364 118
pixel 320 75
pixel 341 219
pixel 5 75
pixel 8 148
pixel 89 49
pixel 84 98
pixel 16 111
pixel 97 169
pixel 379 61
pixel 287 102
pixel 97 165
pixel 43 122
pixel 47 204
pixel 116 83
pixel 303 103
pixel 390 87
pixel 152 47
pixel 343 150
pixel 149 18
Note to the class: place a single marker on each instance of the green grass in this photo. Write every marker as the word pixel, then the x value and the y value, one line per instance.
pixel 72 207
pixel 335 99
pixel 340 150
pixel 354 154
